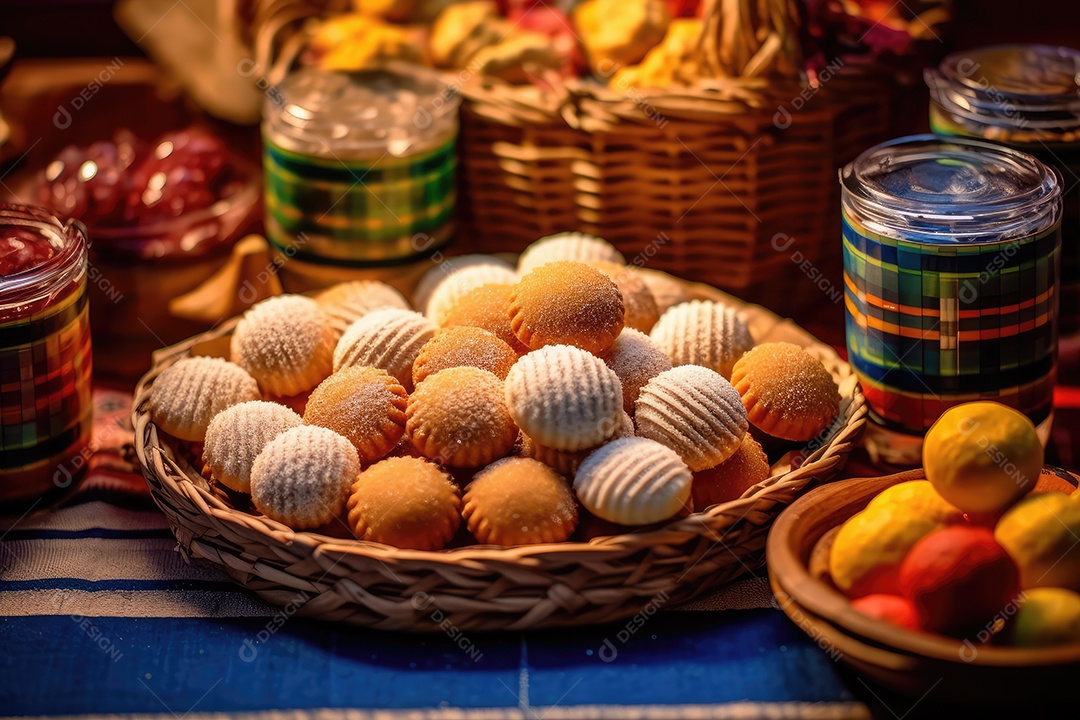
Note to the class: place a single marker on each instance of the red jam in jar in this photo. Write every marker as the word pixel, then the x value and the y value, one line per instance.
pixel 45 359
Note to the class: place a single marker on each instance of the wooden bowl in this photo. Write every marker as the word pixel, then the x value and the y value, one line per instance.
pixel 908 662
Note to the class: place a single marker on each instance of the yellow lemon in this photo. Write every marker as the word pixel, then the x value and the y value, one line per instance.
pixel 1047 616
pixel 982 456
pixel 919 497
pixel 1042 534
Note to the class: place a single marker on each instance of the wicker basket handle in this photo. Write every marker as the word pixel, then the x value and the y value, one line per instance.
pixel 750 38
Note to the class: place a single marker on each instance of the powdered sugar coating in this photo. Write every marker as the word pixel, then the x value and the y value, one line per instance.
pixel 463 347
pixel 566 462
pixel 702 332
pixel 455 286
pixel 458 417
pixel 518 501
pixel 347 302
pixel 389 339
pixel 365 405
pixel 302 477
pixel 640 311
pixel 572 246
pixel 636 360
pixel 564 397
pixel 633 481
pixel 405 502
pixel 695 412
pixel 486 307
pixel 286 343
pixel 190 392
pixel 238 434
pixel 449 266
pixel 566 303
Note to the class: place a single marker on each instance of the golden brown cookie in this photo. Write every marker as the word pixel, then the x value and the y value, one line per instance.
pixel 566 462
pixel 389 339
pixel 188 394
pixel 694 411
pixel 454 287
pixel 667 290
pixel 448 266
pixel 731 478
pixel 286 343
pixel 486 307
pixel 405 502
pixel 518 501
pixel 636 360
pixel 347 302
pixel 238 434
pixel 634 481
pixel 463 347
pixel 302 477
pixel 702 332
pixel 365 405
pixel 572 246
pixel 458 417
pixel 640 308
pixel 787 392
pixel 567 303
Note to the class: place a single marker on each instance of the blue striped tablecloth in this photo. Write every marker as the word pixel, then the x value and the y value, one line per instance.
pixel 100 615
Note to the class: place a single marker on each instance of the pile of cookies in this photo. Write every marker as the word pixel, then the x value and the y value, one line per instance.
pixel 571 390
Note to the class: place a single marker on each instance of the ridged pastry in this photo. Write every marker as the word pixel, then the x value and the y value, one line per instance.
pixel 486 307
pixel 190 392
pixel 566 303
pixel 564 398
pixel 405 502
pixel 787 392
pixel 636 360
pixel 286 343
pixel 731 478
pixel 347 302
pixel 366 405
pixel 238 434
pixel 458 417
pixel 634 481
pixel 518 501
pixel 463 347
pixel 389 339
pixel 455 286
pixel 441 270
pixel 640 311
pixel 702 332
pixel 572 246
pixel 694 411
pixel 302 477
pixel 566 462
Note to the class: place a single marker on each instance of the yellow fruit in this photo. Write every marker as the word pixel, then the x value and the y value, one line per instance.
pixel 1042 534
pixel 1047 616
pixel 865 557
pixel 919 497
pixel 982 456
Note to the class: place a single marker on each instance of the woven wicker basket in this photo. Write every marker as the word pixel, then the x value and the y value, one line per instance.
pixel 481 587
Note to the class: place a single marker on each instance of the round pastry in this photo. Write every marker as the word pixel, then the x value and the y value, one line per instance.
pixel 191 391
pixel 518 501
pixel 695 412
pixel 238 434
pixel 302 477
pixel 666 290
pixel 564 398
pixel 486 307
pixel 458 418
pixel 640 307
pixel 347 302
pixel 389 339
pixel 566 303
pixel 453 287
pixel 731 478
pixel 634 481
pixel 787 392
pixel 286 343
pixel 463 347
pixel 440 271
pixel 702 332
pixel 366 405
pixel 405 502
pixel 573 246
pixel 566 462
pixel 636 360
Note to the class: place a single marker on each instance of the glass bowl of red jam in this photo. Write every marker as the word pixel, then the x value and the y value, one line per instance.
pixel 45 357
pixel 163 216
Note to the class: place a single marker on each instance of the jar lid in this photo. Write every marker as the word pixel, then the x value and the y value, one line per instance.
pixel 397 110
pixel 950 190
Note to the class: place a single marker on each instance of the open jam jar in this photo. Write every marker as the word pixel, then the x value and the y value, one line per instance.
pixel 45 359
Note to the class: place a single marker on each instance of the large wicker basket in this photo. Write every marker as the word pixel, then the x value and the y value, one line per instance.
pixel 482 587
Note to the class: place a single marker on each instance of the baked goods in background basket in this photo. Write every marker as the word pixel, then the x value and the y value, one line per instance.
pixel 552 483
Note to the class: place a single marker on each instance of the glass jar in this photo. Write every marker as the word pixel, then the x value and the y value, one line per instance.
pixel 359 165
pixel 1027 97
pixel 951 266
pixel 45 358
